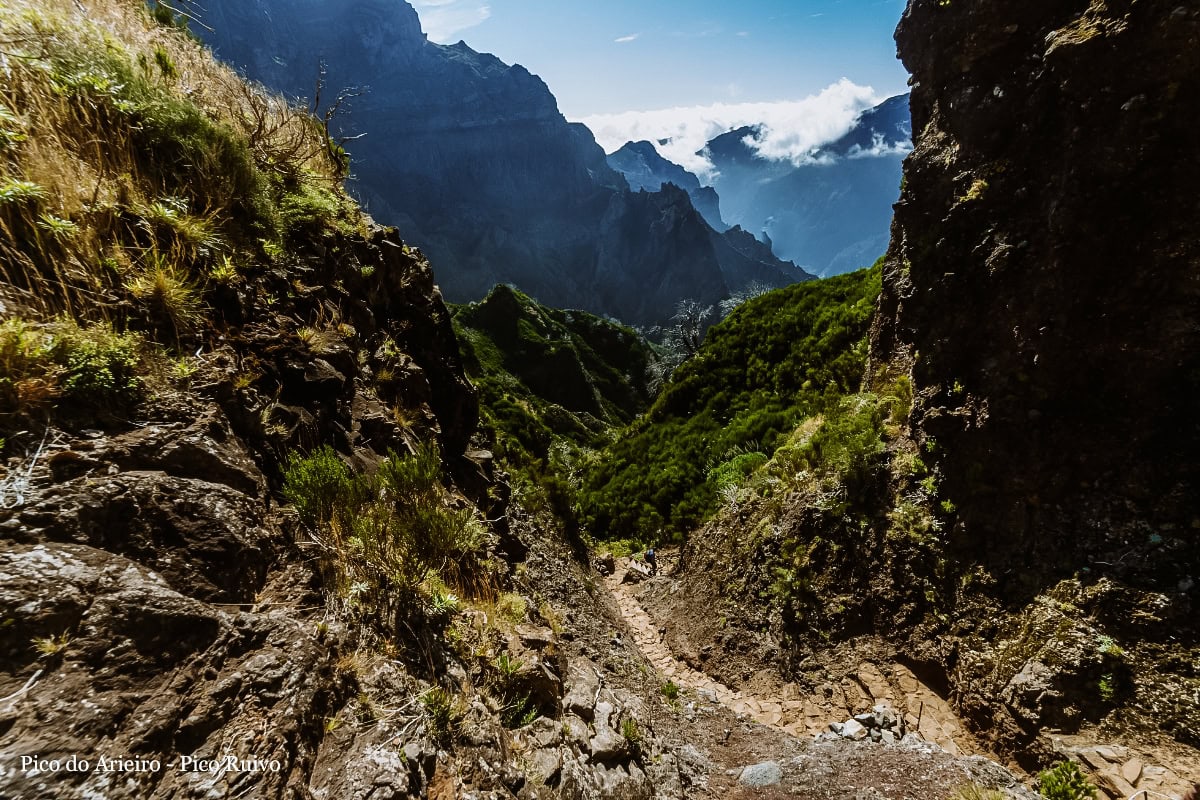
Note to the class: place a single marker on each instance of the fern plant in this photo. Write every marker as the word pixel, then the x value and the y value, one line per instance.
pixel 1065 782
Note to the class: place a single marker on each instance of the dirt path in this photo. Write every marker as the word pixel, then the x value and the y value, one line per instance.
pixel 799 713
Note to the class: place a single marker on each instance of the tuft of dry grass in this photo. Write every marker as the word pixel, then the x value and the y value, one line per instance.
pixel 170 296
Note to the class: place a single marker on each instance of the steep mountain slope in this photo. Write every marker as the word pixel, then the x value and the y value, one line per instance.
pixel 645 169
pixel 549 376
pixel 471 159
pixel 775 360
pixel 1011 508
pixel 830 212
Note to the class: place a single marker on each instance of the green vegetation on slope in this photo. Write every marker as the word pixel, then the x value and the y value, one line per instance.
pixel 391 538
pixel 776 360
pixel 552 384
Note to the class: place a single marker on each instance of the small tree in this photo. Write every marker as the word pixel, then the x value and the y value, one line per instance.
pixel 681 340
pixel 748 292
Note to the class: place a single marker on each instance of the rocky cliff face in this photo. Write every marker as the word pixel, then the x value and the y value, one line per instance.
pixel 187 621
pixel 1041 284
pixel 829 213
pixel 472 160
pixel 1041 290
pixel 1022 526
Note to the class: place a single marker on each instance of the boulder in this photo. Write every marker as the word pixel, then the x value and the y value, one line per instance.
pixel 583 686
pixel 768 773
pixel 853 729
pixel 608 745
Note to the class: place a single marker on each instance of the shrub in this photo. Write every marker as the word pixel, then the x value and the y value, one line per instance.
pixel 1065 782
pixel 518 712
pixel 844 452
pixel 408 480
pixel 309 208
pixel 444 712
pixel 632 733
pixel 388 536
pixel 316 485
pixel 670 690
pixel 93 368
pixel 734 472
pixel 511 607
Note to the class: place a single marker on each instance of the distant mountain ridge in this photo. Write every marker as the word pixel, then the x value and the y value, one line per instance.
pixel 646 170
pixel 472 160
pixel 830 212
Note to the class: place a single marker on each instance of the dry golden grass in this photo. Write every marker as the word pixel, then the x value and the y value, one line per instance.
pixel 122 139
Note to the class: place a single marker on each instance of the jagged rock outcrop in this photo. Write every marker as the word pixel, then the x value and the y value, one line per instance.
pixel 1041 290
pixel 472 160
pixel 646 170
pixel 182 620
pixel 828 212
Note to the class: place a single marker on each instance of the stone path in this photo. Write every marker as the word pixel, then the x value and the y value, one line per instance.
pixel 798 713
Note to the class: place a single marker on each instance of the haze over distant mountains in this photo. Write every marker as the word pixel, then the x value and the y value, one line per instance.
pixel 827 208
pixel 830 212
pixel 472 160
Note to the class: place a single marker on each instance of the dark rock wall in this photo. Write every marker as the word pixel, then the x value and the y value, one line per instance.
pixel 1043 284
pixel 178 612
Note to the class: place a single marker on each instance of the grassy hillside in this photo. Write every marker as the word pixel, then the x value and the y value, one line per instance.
pixel 195 175
pixel 776 360
pixel 172 237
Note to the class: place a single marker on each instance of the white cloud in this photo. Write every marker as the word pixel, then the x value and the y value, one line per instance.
pixel 880 147
pixel 623 39
pixel 442 20
pixel 791 129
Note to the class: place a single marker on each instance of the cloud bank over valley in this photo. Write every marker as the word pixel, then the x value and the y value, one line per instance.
pixel 791 130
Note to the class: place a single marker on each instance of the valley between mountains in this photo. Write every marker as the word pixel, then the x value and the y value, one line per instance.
pixel 300 501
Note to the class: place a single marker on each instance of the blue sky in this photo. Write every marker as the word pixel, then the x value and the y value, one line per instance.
pixel 610 56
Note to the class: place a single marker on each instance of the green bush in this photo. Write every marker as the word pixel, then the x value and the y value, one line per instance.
pixel 734 472
pixel 386 534
pixel 317 485
pixel 93 368
pixel 308 208
pixel 444 712
pixel 1065 782
pixel 632 733
pixel 518 712
pixel 847 448
pixel 408 480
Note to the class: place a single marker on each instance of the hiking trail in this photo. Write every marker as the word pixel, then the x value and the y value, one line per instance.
pixel 794 711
